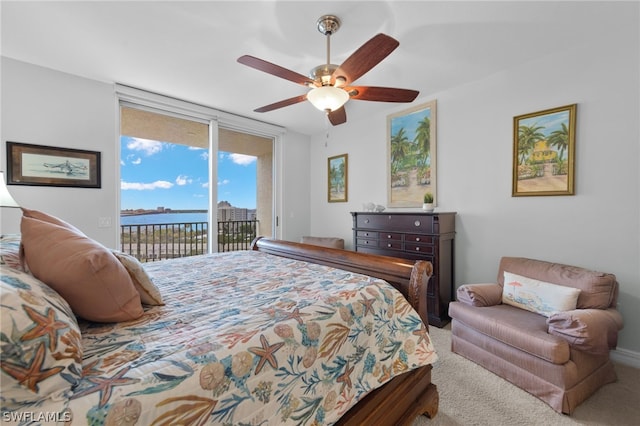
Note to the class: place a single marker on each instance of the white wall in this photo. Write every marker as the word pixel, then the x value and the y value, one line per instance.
pixel 597 228
pixel 294 218
pixel 44 107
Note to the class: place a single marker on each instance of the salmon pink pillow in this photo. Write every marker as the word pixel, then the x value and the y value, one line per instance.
pixel 84 272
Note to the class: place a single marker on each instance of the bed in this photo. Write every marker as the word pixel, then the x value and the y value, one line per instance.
pixel 286 333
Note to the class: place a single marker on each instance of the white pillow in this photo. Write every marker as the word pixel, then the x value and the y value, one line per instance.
pixel 538 296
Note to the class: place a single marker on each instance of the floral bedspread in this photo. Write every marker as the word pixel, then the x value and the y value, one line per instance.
pixel 248 338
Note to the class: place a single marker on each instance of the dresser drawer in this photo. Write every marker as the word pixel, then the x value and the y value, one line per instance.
pixel 418 239
pixel 418 248
pixel 390 244
pixel 367 234
pixel 390 237
pixel 362 242
pixel 398 223
pixel 371 221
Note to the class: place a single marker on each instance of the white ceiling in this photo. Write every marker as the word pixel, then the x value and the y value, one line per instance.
pixel 188 50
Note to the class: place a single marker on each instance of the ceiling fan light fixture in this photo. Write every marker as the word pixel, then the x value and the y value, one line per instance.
pixel 327 98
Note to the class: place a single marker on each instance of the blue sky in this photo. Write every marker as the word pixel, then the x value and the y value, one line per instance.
pixel 551 122
pixel 409 122
pixel 154 174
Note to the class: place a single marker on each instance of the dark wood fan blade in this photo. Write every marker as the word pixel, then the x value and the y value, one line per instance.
pixel 382 94
pixel 282 104
pixel 365 58
pixel 338 116
pixel 273 69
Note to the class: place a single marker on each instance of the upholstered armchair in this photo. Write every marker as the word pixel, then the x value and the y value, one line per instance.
pixel 545 327
pixel 332 242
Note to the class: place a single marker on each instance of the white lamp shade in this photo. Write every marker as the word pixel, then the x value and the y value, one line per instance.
pixel 6 200
pixel 327 98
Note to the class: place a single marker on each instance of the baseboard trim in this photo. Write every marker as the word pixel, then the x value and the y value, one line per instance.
pixel 627 357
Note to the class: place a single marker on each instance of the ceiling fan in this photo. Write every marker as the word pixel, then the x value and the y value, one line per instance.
pixel 330 84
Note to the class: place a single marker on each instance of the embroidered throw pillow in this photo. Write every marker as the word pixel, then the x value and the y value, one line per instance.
pixel 149 293
pixel 41 342
pixel 538 296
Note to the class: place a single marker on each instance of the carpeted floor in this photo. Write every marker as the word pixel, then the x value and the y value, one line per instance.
pixel 471 395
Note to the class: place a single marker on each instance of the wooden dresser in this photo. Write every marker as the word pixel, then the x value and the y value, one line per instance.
pixel 416 236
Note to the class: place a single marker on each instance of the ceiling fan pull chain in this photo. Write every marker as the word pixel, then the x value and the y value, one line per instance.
pixel 326 140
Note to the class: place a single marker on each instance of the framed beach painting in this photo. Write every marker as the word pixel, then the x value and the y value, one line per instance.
pixel 411 149
pixel 41 165
pixel 337 182
pixel 544 152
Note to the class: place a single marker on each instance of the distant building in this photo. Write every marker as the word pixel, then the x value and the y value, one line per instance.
pixel 227 212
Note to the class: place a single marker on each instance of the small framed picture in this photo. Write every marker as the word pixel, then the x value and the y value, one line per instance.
pixel 41 165
pixel 337 172
pixel 544 152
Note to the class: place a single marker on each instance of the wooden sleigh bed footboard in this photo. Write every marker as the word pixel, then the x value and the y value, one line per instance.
pixel 411 394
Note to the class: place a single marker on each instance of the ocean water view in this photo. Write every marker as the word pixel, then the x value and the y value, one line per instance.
pixel 157 218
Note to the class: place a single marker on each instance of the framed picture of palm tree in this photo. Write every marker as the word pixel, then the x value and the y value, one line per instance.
pixel 411 149
pixel 337 173
pixel 544 152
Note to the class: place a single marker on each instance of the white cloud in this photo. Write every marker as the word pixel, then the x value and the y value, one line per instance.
pixel 241 159
pixel 223 182
pixel 145 145
pixel 140 186
pixel 183 180
pixel 136 161
pixel 205 155
pixel 205 185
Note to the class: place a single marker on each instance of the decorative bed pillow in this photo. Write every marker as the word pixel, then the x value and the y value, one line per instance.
pixel 40 340
pixel 84 272
pixel 149 293
pixel 10 252
pixel 538 296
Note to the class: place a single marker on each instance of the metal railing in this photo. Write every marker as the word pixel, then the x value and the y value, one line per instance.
pixel 151 242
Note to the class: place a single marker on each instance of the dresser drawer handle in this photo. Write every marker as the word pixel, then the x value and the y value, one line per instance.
pixel 417 238
pixel 416 223
pixel 388 236
pixel 417 248
pixel 366 221
pixel 389 245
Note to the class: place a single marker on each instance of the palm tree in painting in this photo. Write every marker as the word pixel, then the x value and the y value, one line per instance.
pixel 527 138
pixel 336 175
pixel 560 139
pixel 399 146
pixel 423 138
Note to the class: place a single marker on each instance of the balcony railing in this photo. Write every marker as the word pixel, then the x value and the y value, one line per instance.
pixel 151 242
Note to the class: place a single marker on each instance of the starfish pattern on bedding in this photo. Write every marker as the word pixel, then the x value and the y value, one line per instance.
pixel 32 374
pixel 345 378
pixel 266 353
pixel 44 325
pixel 422 334
pixel 368 304
pixel 296 315
pixel 105 385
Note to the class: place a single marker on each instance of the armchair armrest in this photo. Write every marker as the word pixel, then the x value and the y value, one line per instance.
pixel 590 330
pixel 480 294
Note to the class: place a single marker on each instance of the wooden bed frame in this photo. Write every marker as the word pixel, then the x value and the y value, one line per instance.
pixel 411 394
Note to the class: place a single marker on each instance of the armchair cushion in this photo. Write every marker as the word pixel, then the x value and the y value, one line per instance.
pixel 479 294
pixel 538 296
pixel 589 330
